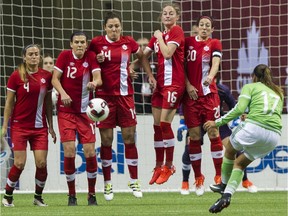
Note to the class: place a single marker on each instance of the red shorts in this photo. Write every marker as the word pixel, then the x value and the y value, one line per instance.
pixel 70 123
pixel 121 112
pixel 37 138
pixel 168 97
pixel 197 112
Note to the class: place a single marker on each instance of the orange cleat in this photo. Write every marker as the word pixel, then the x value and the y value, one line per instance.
pixel 217 179
pixel 250 186
pixel 199 183
pixel 185 188
pixel 166 172
pixel 156 174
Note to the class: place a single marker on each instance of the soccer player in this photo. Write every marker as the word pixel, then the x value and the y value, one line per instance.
pixel 225 97
pixel 201 101
pixel 113 52
pixel 257 136
pixel 48 64
pixel 169 47
pixel 29 105
pixel 76 74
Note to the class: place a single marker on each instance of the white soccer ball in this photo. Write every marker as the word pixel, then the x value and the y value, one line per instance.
pixel 97 109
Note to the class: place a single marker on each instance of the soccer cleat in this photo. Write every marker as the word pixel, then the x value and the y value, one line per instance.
pixel 250 186
pixel 72 201
pixel 156 174
pixel 185 188
pixel 7 201
pixel 220 204
pixel 108 192
pixel 136 189
pixel 166 172
pixel 38 201
pixel 92 200
pixel 217 179
pixel 218 188
pixel 199 184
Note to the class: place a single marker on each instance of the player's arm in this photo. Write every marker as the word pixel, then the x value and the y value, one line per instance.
pixel 9 105
pixel 49 114
pixel 65 98
pixel 97 80
pixel 216 60
pixel 146 66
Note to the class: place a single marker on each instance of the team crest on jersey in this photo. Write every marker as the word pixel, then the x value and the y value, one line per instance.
pixel 85 64
pixel 43 80
pixel 191 47
pixel 166 37
pixel 124 47
pixel 72 64
pixel 104 47
pixel 206 48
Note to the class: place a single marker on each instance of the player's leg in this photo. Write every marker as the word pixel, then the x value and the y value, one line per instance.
pixel 106 158
pixel 186 169
pixel 86 136
pixel 13 177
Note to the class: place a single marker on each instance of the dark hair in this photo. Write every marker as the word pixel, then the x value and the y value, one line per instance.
pixel 205 17
pixel 111 15
pixel 263 74
pixel 78 33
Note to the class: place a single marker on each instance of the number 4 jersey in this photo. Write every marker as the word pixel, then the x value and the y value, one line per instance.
pixel 265 107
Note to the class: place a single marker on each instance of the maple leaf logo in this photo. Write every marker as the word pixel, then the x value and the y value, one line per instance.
pixel 249 57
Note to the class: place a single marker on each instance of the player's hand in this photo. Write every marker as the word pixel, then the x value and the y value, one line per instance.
pixel 182 127
pixel 153 83
pixel 100 57
pixel 192 91
pixel 53 135
pixel 66 100
pixel 91 86
pixel 133 74
pixel 208 81
pixel 209 124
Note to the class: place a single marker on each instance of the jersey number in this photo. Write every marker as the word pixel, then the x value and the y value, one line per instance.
pixel 267 106
pixel 107 54
pixel 172 97
pixel 191 55
pixel 26 86
pixel 71 72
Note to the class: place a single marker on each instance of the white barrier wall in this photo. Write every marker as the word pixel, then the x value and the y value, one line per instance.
pixel 271 173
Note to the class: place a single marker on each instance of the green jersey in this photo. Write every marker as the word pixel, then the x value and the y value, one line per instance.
pixel 264 105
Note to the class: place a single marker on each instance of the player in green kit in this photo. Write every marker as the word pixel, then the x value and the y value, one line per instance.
pixel 256 137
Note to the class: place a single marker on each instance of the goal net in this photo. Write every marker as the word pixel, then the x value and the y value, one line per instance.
pixel 251 32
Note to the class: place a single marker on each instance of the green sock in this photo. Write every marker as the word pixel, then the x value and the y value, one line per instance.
pixel 234 181
pixel 226 169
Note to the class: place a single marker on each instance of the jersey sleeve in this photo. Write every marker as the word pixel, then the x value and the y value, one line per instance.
pixel 176 35
pixel 93 61
pixel 151 43
pixel 217 48
pixel 134 45
pixel 12 84
pixel 61 62
pixel 243 102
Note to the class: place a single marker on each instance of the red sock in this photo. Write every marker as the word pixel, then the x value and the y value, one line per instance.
pixel 91 169
pixel 131 156
pixel 195 156
pixel 158 145
pixel 69 169
pixel 13 177
pixel 40 179
pixel 217 154
pixel 106 157
pixel 169 141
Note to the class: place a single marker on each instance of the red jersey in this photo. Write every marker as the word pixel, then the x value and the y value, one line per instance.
pixel 198 55
pixel 115 68
pixel 76 73
pixel 171 71
pixel 29 109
